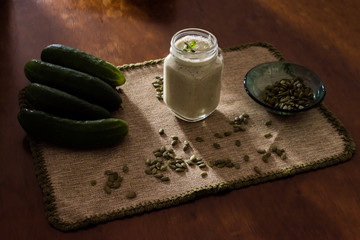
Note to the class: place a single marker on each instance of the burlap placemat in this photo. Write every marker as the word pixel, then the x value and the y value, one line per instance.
pixel 311 140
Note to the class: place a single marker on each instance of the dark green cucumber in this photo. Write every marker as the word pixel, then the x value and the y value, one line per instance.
pixel 71 133
pixel 79 84
pixel 62 104
pixel 76 59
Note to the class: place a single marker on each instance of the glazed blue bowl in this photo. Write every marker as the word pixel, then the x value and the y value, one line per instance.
pixel 268 73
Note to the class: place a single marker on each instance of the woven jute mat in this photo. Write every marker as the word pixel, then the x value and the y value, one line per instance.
pixel 312 140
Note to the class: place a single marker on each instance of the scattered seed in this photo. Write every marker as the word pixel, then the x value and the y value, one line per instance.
pixel 202 165
pixel 158 175
pixel 266 156
pixel 283 156
pixel 273 148
pixel 261 151
pixel 190 163
pixel 246 158
pixel 237 143
pixel 107 189
pixel 199 139
pixel 268 135
pixel 229 164
pixel 218 135
pixel 158 85
pixel 93 182
pixel 216 145
pixel 125 169
pixel 161 131
pixel 226 134
pixel 203 174
pixel 158 154
pixel 257 170
pixel 268 123
pixel 165 179
pixel 131 195
pixel 116 184
pixel 174 142
pixel 237 165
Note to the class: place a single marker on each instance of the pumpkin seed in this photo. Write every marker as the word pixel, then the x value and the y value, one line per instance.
pixel 288 94
pixel 273 148
pixel 107 189
pixel 131 195
pixel 125 169
pixel 148 162
pixel 116 184
pixel 174 142
pixel 221 165
pixel 158 175
pixel 218 135
pixel 268 123
pixel 216 145
pixel 158 154
pixel 257 170
pixel 161 131
pixel 199 139
pixel 266 156
pixel 202 165
pixel 229 165
pixel 261 151
pixel 268 135
pixel 190 163
pixel 226 134
pixel 165 179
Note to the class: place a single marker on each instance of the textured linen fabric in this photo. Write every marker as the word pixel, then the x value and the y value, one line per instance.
pixel 306 138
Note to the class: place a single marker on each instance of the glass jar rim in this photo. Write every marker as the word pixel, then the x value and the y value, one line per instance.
pixel 195 32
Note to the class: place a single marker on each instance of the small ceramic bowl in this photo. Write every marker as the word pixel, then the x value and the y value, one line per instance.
pixel 265 74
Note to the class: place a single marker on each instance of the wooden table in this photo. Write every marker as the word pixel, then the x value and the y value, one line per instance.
pixel 323 35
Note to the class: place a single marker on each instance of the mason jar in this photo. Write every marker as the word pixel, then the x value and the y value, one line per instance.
pixel 192 74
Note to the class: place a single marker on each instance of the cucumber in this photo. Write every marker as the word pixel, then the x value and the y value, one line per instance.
pixel 72 133
pixel 62 104
pixel 76 59
pixel 79 84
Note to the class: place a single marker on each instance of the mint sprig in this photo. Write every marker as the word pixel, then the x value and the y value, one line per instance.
pixel 189 46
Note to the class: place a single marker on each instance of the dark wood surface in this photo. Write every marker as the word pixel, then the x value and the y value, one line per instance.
pixel 323 35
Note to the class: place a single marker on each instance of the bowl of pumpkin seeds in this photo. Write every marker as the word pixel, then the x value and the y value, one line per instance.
pixel 284 88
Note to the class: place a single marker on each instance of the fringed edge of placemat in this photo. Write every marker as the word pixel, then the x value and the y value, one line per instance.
pixel 48 192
